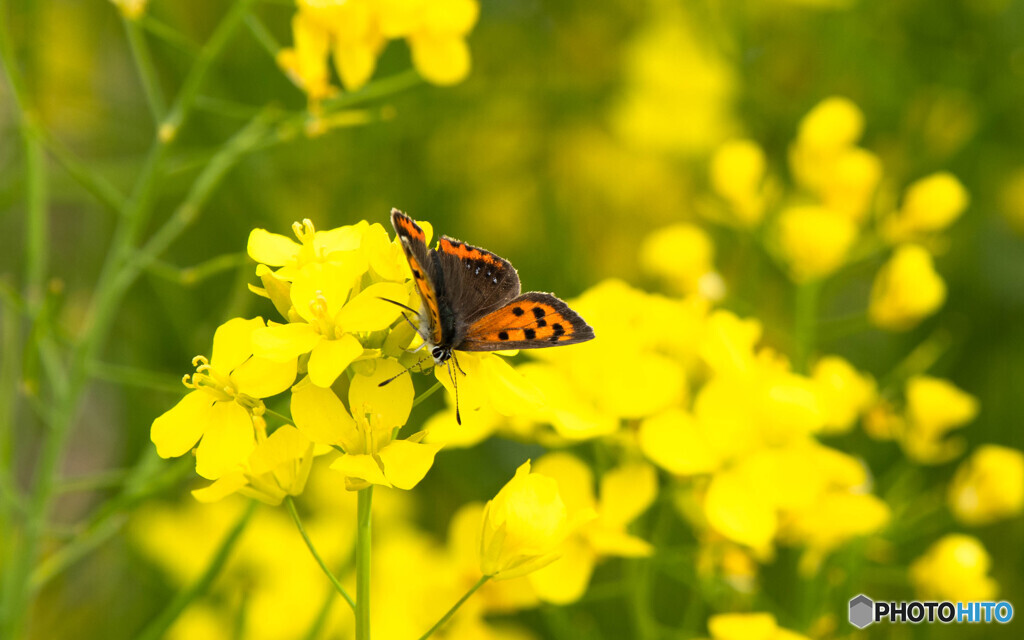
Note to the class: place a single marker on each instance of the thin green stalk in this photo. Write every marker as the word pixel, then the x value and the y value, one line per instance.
pixel 135 377
pixel 805 318
pixel 309 543
pixel 37 228
pixel 168 34
pixel 426 394
pixel 100 480
pixel 107 194
pixel 147 70
pixel 451 612
pixel 363 548
pixel 159 626
pixel 262 35
pixel 110 289
pixel 189 276
pixel 203 62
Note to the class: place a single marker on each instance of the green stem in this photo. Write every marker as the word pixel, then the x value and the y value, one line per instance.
pixel 805 324
pixel 147 70
pixel 106 193
pixel 203 62
pixel 451 612
pixel 37 230
pixel 426 394
pixel 363 548
pixel 159 626
pixel 263 35
pixel 320 561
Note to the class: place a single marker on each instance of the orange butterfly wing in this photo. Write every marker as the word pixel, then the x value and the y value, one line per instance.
pixel 531 321
pixel 415 248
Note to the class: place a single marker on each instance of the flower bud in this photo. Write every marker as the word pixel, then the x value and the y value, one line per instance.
pixel 523 526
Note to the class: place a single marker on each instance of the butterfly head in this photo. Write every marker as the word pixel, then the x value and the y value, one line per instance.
pixel 441 354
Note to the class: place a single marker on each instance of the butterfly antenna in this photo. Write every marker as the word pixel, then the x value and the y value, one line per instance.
pixel 455 383
pixel 402 372
pixel 411 310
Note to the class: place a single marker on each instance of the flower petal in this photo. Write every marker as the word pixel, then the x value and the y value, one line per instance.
pixel 391 403
pixel 271 249
pixel 566 579
pixel 221 488
pixel 232 342
pixel 626 492
pixel 330 357
pixel 227 444
pixel 284 342
pixel 262 378
pixel 360 467
pixel 180 427
pixel 322 418
pixel 369 312
pixel 405 463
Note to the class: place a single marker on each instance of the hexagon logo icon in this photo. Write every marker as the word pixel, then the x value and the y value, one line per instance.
pixel 862 611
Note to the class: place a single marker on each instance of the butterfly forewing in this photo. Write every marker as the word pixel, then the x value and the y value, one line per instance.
pixel 531 321
pixel 476 280
pixel 415 248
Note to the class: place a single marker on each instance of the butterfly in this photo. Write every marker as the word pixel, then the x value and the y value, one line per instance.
pixel 472 300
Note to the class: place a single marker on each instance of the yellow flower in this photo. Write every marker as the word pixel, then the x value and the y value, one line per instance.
pixel 934 408
pixel 814 241
pixel 436 31
pixel 582 397
pixel 828 131
pixel 849 187
pixel 486 380
pixel 330 316
pixel 227 393
pixel 663 110
pixel 749 626
pixel 358 246
pixel 684 255
pixel 906 290
pixel 737 172
pixel 346 29
pixel 847 393
pixel 833 123
pixel 523 526
pixel 131 9
pixel 677 443
pixel 626 492
pixel 954 568
pixel 931 204
pixel 277 467
pixel 1011 199
pixel 988 486
pixel 366 435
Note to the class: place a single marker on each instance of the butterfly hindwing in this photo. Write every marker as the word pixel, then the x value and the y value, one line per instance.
pixel 415 248
pixel 531 321
pixel 476 280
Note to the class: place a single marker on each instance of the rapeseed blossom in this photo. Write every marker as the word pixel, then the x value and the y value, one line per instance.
pixel 814 241
pixel 749 626
pixel 954 568
pixel 934 408
pixel 523 526
pixel 737 174
pixel 988 486
pixel 353 33
pixel 227 394
pixel 929 205
pixel 906 290
pixel 625 493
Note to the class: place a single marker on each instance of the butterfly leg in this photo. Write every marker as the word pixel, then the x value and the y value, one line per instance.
pixel 457 366
pixel 455 384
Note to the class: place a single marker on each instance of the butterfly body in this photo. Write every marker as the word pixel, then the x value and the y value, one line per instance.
pixel 473 302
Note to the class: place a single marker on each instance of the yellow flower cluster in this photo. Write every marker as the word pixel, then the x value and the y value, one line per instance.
pixel 354 33
pixel 332 288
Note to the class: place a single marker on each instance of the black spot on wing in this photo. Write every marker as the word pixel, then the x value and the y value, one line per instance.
pixel 518 311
